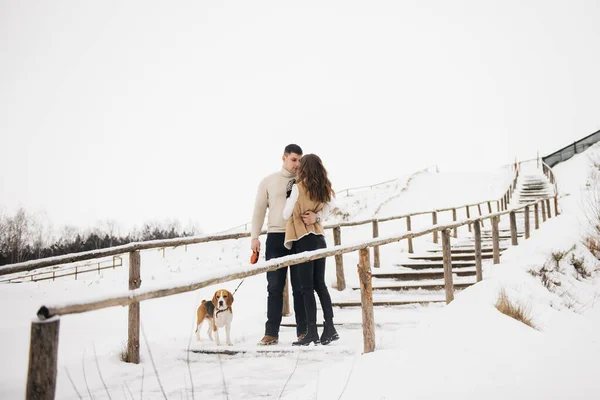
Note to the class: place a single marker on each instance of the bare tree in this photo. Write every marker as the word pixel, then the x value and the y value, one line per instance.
pixel 3 235
pixel 111 229
pixel 41 233
pixel 18 236
pixel 591 206
pixel 69 233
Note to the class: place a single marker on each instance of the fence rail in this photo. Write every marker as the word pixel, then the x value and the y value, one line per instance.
pixel 569 151
pixel 75 271
pixel 41 380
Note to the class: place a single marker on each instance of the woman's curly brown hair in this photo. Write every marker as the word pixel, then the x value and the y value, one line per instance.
pixel 313 176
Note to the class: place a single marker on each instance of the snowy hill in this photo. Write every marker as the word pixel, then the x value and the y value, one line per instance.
pixel 414 342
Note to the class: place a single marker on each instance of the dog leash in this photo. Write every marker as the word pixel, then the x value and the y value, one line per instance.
pixel 238 286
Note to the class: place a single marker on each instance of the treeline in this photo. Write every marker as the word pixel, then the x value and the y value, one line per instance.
pixel 25 237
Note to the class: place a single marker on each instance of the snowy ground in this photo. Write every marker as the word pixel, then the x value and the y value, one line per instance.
pixel 464 350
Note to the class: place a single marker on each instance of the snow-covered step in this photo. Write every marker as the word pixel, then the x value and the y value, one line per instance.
pixel 433 273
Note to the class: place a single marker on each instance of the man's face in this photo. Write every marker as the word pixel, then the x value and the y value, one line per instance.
pixel 291 162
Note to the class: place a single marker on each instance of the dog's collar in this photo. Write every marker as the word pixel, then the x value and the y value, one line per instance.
pixel 219 311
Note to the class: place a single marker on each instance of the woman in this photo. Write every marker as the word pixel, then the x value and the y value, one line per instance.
pixel 312 192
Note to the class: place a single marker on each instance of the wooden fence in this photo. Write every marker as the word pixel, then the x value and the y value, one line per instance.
pixel 41 379
pixel 62 272
pixel 45 331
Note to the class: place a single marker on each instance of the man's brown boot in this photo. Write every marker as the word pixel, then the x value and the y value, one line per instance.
pixel 268 340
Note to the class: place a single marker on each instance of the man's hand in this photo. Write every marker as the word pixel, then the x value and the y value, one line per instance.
pixel 309 218
pixel 255 245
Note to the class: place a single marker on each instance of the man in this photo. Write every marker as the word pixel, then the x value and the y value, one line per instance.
pixel 271 194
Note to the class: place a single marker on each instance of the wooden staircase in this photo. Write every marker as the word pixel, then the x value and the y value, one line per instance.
pixel 419 280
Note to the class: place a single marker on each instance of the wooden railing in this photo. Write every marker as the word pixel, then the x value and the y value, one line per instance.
pixel 41 379
pixel 45 331
pixel 74 271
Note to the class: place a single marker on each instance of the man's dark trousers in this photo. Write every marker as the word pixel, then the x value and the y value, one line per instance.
pixel 276 284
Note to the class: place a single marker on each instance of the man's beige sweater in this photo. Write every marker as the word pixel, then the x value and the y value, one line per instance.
pixel 271 194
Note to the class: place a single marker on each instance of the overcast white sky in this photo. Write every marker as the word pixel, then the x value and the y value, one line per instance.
pixel 152 110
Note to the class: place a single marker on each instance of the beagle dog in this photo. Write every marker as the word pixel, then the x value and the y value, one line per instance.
pixel 219 314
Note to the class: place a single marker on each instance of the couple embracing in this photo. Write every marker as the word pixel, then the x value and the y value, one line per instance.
pixel 298 197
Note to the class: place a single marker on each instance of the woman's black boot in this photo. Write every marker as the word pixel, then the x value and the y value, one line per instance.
pixel 329 333
pixel 312 336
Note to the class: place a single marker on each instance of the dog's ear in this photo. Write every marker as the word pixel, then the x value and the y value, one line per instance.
pixel 215 299
pixel 229 298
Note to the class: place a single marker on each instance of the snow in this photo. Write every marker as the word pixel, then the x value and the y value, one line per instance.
pixel 464 350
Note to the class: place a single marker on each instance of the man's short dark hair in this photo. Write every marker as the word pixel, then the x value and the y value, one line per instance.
pixel 292 148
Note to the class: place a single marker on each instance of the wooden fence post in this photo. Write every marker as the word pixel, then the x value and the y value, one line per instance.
pixel 478 271
pixel 480 214
pixel 409 228
pixel 526 222
pixel 543 211
pixel 548 209
pixel 434 222
pixel 447 256
pixel 537 216
pixel 43 357
pixel 454 219
pixel 497 206
pixel 513 228
pixel 339 260
pixel 496 239
pixel 375 248
pixel 285 311
pixel 556 205
pixel 468 217
pixel 489 207
pixel 366 299
pixel 133 328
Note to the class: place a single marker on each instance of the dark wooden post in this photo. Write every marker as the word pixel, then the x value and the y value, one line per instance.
pixel 366 300
pixel 513 228
pixel 133 328
pixel 496 239
pixel 454 219
pixel 468 217
pixel 447 256
pixel 376 248
pixel 285 311
pixel 497 206
pixel 339 260
pixel 478 271
pixel 434 222
pixel 489 207
pixel 409 228
pixel 43 357
pixel 543 211
pixel 537 216
pixel 556 205
pixel 548 209
pixel 526 222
